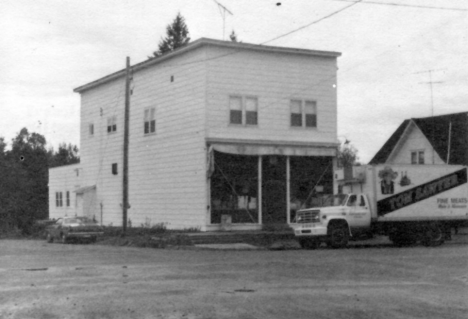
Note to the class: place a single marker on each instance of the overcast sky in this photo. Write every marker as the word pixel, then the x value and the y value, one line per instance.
pixel 50 47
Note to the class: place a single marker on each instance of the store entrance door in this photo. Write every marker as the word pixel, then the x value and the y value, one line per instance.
pixel 274 190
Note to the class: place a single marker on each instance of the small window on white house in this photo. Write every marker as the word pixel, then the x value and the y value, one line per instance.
pixel 112 124
pixel 243 110
pixel 303 113
pixel 58 199
pixel 296 113
pixel 235 110
pixel 417 157
pixel 68 199
pixel 310 114
pixel 421 157
pixel 114 169
pixel 150 122
pixel 91 129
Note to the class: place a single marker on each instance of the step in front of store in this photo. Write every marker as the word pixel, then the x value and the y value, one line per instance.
pixel 260 237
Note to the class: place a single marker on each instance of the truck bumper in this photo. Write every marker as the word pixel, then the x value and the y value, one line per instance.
pixel 303 231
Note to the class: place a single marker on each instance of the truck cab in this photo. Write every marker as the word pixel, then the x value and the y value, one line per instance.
pixel 336 219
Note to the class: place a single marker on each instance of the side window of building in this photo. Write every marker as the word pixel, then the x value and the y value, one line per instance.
pixel 91 129
pixel 149 121
pixel 114 169
pixel 58 199
pixel 243 110
pixel 112 124
pixel 68 199
pixel 421 157
pixel 303 113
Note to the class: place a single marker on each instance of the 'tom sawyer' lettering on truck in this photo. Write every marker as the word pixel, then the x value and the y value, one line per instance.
pixel 405 202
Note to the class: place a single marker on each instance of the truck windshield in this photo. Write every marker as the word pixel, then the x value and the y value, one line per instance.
pixel 334 200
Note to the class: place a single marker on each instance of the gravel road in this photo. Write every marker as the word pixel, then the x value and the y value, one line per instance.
pixel 40 280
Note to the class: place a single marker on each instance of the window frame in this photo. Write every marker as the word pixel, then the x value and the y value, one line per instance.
pixel 91 129
pixel 304 119
pixel 58 199
pixel 244 115
pixel 68 198
pixel 112 124
pixel 418 157
pixel 151 121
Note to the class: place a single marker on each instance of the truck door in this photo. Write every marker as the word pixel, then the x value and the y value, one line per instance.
pixel 359 213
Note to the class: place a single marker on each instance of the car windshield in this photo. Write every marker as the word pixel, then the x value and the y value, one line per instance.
pixel 334 200
pixel 79 220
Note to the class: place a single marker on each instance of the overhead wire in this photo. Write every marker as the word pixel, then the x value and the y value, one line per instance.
pixel 403 5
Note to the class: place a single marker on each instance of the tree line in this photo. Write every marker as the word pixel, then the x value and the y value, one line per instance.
pixel 24 176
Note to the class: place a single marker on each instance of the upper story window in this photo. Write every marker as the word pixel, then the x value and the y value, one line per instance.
pixel 150 122
pixel 68 198
pixel 91 129
pixel 243 110
pixel 417 157
pixel 303 113
pixel 112 124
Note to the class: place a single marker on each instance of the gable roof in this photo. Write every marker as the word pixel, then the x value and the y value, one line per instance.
pixel 236 46
pixel 438 130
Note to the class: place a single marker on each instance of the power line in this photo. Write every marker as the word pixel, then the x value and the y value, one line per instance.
pixel 404 5
pixel 313 22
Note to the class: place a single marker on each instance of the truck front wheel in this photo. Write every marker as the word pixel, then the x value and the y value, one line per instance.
pixel 338 236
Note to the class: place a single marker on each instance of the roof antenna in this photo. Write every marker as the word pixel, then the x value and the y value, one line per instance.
pixel 222 11
pixel 432 101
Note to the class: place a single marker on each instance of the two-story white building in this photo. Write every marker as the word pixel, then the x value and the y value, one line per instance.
pixel 216 128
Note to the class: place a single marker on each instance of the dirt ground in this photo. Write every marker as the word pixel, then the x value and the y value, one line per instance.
pixel 40 280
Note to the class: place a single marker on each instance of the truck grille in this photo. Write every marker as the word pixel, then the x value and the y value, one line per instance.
pixel 308 216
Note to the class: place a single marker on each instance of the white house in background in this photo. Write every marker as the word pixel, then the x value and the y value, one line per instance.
pixel 441 139
pixel 217 130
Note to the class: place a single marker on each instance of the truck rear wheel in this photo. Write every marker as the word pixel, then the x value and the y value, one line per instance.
pixel 338 236
pixel 309 243
pixel 433 235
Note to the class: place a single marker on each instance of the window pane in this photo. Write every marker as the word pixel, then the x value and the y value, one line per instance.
pixel 153 110
pixel 146 115
pixel 414 158
pixel 146 127
pixel 153 126
pixel 251 118
pixel 311 120
pixel 310 107
pixel 296 119
pixel 235 103
pixel 114 127
pixel 251 104
pixel 421 157
pixel 236 117
pixel 296 107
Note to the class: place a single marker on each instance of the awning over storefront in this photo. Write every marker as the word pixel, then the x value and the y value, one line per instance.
pixel 85 189
pixel 245 147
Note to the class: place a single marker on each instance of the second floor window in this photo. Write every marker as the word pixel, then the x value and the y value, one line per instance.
pixel 112 124
pixel 91 129
pixel 150 122
pixel 417 157
pixel 303 113
pixel 68 198
pixel 243 110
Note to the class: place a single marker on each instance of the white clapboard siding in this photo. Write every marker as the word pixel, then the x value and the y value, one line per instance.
pixel 275 79
pixel 166 169
pixel 63 179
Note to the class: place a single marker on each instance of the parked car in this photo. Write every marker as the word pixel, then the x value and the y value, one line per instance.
pixel 73 228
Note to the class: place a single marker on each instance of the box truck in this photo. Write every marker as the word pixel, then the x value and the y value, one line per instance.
pixel 408 203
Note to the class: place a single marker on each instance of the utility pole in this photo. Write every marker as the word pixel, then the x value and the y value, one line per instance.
pixel 125 148
pixel 432 101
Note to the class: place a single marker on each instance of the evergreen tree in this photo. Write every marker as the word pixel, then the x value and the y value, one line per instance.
pixel 66 154
pixel 177 36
